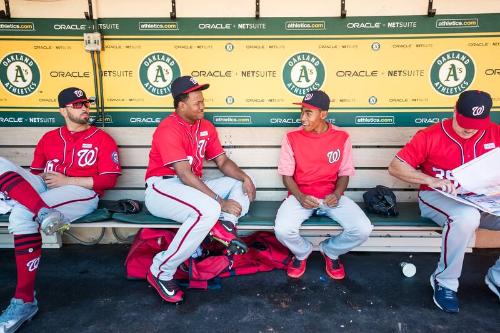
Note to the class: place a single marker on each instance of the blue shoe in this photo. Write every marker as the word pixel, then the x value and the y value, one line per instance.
pixel 489 282
pixel 16 314
pixel 445 299
pixel 52 221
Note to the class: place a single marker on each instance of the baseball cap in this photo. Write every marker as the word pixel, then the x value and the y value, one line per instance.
pixel 72 95
pixel 316 100
pixel 473 109
pixel 186 84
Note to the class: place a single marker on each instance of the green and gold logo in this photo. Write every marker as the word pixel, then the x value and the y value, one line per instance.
pixel 302 73
pixel 19 74
pixel 452 72
pixel 156 73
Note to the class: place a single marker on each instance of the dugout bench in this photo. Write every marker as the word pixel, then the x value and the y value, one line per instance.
pixel 256 151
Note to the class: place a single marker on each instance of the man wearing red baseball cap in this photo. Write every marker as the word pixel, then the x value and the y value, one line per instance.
pixel 176 191
pixel 428 160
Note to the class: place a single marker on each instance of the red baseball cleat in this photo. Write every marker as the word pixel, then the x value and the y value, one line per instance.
pixel 334 268
pixel 296 268
pixel 225 233
pixel 168 290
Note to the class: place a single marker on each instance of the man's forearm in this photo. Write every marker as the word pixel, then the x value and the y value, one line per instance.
pixel 230 169
pixel 406 173
pixel 341 185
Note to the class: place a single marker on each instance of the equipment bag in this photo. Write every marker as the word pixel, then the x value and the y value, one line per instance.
pixel 265 253
pixel 381 200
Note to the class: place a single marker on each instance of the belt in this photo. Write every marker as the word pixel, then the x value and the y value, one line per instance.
pixel 164 177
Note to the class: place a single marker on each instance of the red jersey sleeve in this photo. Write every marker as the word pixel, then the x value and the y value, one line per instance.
pixel 169 143
pixel 108 160
pixel 286 162
pixel 347 165
pixel 214 147
pixel 414 152
pixel 39 158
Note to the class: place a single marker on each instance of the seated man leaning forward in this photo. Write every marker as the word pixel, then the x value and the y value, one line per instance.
pixel 176 191
pixel 316 162
pixel 71 168
pixel 428 160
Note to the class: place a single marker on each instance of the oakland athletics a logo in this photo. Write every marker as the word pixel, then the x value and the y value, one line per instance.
pixel 157 71
pixel 19 74
pixel 452 72
pixel 302 73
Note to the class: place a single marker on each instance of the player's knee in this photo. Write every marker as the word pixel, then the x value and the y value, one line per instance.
pixel 211 210
pixel 360 230
pixel 467 221
pixel 21 222
pixel 284 231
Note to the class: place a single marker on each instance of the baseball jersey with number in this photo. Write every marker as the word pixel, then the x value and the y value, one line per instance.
pixel 316 160
pixel 81 154
pixel 177 140
pixel 438 149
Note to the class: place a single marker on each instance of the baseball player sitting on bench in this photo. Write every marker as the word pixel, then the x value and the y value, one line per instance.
pixel 316 162
pixel 71 168
pixel 428 160
pixel 176 191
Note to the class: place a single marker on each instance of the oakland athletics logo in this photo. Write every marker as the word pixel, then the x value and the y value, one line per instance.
pixel 157 71
pixel 452 72
pixel 302 73
pixel 19 74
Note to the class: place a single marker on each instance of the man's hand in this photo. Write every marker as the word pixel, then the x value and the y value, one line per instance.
pixel 55 179
pixel 249 188
pixel 331 200
pixel 444 185
pixel 230 206
pixel 308 201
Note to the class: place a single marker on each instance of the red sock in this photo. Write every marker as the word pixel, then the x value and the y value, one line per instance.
pixel 18 188
pixel 28 250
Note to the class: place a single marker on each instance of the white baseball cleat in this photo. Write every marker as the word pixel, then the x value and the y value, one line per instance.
pixel 494 288
pixel 16 314
pixel 52 221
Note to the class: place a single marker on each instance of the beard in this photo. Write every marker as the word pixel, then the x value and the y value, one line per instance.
pixel 78 120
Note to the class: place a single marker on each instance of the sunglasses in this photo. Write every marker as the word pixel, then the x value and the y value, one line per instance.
pixel 79 105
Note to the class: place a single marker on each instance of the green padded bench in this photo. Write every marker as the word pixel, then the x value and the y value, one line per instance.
pixel 262 214
pixel 98 215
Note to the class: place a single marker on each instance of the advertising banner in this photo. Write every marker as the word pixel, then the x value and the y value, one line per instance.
pixel 384 71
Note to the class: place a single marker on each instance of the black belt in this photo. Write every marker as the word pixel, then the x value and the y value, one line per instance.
pixel 164 177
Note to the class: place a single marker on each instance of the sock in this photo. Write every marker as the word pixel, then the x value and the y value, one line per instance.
pixel 28 250
pixel 18 188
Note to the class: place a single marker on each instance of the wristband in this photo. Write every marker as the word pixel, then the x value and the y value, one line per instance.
pixel 216 198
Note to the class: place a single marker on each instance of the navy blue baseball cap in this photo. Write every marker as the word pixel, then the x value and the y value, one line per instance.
pixel 473 109
pixel 72 95
pixel 316 100
pixel 185 85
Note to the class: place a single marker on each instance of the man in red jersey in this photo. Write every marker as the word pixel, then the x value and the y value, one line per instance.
pixel 71 168
pixel 428 160
pixel 316 163
pixel 176 191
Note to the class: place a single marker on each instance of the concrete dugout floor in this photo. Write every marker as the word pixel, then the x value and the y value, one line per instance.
pixel 83 289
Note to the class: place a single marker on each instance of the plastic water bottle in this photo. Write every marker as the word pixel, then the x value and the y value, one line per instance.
pixel 408 269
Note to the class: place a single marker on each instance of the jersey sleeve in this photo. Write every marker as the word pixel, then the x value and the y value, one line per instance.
pixel 108 161
pixel 286 162
pixel 214 147
pixel 347 165
pixel 414 153
pixel 39 157
pixel 168 142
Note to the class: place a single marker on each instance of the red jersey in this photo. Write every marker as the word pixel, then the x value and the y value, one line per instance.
pixel 177 140
pixel 438 149
pixel 316 160
pixel 88 153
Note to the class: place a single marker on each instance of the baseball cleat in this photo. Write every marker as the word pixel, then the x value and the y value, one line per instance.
pixel 169 291
pixel 296 268
pixel 444 298
pixel 333 267
pixel 16 314
pixel 52 221
pixel 489 282
pixel 225 233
